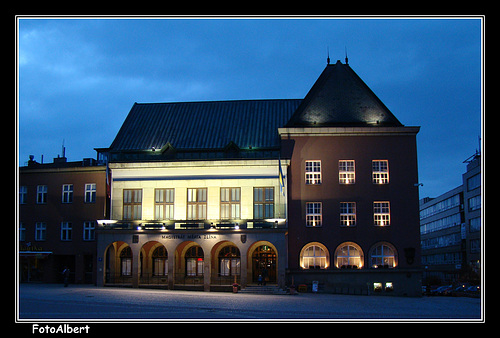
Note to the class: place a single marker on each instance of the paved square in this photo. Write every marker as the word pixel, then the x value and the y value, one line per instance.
pixel 53 301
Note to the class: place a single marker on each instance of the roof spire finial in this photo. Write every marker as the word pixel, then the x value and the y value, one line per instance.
pixel 346 59
pixel 327 55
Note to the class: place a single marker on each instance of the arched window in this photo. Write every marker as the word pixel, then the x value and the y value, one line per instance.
pixel 349 256
pixel 160 261
pixel 126 261
pixel 314 256
pixel 383 255
pixel 194 261
pixel 229 261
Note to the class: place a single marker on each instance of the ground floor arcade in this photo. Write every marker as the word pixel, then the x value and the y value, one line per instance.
pixel 207 260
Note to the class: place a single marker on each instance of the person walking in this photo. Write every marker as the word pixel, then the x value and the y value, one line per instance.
pixel 66 276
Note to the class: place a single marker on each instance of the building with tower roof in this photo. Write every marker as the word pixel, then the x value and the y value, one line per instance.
pixel 287 192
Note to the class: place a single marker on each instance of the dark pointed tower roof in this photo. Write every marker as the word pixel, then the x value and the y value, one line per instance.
pixel 340 98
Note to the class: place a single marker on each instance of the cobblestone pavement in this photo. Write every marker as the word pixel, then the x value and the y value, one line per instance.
pixel 81 302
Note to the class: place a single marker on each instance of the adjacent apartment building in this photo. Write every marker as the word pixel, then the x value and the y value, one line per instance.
pixel 59 205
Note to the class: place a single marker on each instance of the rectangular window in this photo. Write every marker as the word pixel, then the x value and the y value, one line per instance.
pixel 263 203
pixel 230 266
pixel 88 230
pixel 194 267
pixel 381 213
pixel 67 193
pixel 164 204
pixel 197 203
pixel 90 191
pixel 380 171
pixel 347 214
pixel 474 203
pixel 313 172
pixel 23 194
pixel 347 173
pixel 474 182
pixel 132 204
pixel 126 266
pixel 41 194
pixel 230 203
pixel 313 214
pixel 22 232
pixel 40 231
pixel 66 231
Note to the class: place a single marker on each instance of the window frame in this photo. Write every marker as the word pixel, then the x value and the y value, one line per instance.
pixel 164 201
pixel 90 192
pixel 380 175
pixel 313 172
pixel 314 214
pixel 230 203
pixel 132 205
pixel 381 213
pixel 347 214
pixel 41 194
pixel 347 176
pixel 196 209
pixel 67 194
pixel 263 202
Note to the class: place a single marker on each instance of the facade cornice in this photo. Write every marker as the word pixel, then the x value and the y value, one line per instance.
pixel 347 131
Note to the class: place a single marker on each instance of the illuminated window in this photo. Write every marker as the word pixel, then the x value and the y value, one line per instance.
pixel 313 214
pixel 160 261
pixel 229 261
pixel 263 203
pixel 380 171
pixel 126 261
pixel 230 203
pixel 377 287
pixel 164 204
pixel 381 213
pixel 349 256
pixel 313 172
pixel 197 203
pixel 132 204
pixel 383 255
pixel 314 256
pixel 194 261
pixel 347 214
pixel 389 286
pixel 347 174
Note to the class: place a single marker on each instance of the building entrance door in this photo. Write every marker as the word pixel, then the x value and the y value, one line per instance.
pixel 264 263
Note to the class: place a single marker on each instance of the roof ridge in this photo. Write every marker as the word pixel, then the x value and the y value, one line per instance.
pixel 213 101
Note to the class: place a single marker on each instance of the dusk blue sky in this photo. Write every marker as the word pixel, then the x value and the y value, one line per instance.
pixel 78 78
